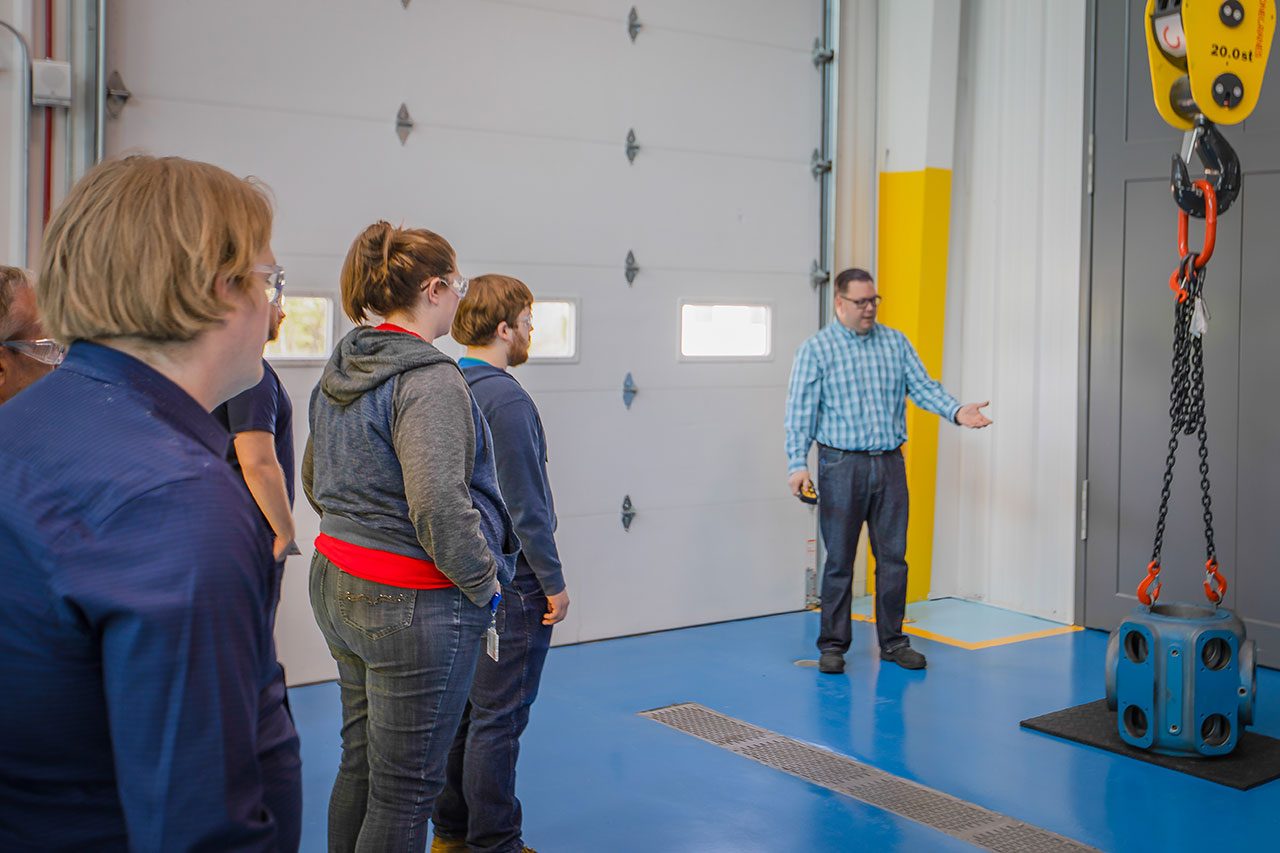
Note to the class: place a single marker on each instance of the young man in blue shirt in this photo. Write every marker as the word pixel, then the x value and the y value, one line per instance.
pixel 260 422
pixel 848 392
pixel 478 809
pixel 134 639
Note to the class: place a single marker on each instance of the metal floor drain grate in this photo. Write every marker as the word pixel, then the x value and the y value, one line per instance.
pixel 955 817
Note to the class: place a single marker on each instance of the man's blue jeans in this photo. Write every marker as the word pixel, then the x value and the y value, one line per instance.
pixel 405 662
pixel 479 801
pixel 854 488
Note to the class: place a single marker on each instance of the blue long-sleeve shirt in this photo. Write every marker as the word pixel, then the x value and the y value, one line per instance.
pixel 849 391
pixel 133 638
pixel 520 451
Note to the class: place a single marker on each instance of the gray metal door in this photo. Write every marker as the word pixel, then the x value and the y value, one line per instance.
pixel 1131 327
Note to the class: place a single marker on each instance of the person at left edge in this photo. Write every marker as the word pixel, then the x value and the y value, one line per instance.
pixel 260 421
pixel 133 636
pixel 26 355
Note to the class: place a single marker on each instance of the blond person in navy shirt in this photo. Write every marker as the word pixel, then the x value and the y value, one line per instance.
pixel 848 393
pixel 260 421
pixel 134 629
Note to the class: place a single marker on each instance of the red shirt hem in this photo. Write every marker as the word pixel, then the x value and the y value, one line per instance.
pixel 373 564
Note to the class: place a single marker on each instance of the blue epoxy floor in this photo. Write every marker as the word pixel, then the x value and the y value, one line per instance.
pixel 595 777
pixel 966 621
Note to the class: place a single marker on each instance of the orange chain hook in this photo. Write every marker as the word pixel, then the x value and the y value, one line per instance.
pixel 1213 578
pixel 1153 573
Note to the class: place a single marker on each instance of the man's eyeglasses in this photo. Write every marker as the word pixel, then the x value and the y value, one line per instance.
pixel 861 304
pixel 274 274
pixel 457 283
pixel 44 350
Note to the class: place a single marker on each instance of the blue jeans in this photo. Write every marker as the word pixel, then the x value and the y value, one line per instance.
pixel 855 488
pixel 405 662
pixel 479 801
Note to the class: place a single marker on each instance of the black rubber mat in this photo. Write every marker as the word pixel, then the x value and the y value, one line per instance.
pixel 1255 761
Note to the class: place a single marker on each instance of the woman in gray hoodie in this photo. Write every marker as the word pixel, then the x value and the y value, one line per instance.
pixel 414 538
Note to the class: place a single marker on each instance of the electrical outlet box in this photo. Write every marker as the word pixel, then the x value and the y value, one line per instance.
pixel 50 83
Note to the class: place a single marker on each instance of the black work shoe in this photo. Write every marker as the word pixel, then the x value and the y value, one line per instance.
pixel 905 657
pixel 831 663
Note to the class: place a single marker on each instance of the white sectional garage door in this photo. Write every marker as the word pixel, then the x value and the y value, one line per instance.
pixel 521 111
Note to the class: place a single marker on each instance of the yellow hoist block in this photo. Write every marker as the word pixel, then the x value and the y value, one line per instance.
pixel 1208 57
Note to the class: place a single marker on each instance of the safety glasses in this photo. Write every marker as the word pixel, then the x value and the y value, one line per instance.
pixel 457 283
pixel 43 350
pixel 274 274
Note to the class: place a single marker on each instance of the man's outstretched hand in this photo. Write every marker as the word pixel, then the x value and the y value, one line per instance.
pixel 970 415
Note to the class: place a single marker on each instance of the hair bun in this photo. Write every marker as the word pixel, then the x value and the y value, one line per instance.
pixel 376 244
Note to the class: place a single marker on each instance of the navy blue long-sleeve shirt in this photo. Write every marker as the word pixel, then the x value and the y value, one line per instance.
pixel 520 450
pixel 133 640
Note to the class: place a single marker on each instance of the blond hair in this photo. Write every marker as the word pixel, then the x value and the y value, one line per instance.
pixel 491 300
pixel 139 244
pixel 386 267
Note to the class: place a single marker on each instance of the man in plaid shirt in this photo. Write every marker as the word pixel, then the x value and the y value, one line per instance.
pixel 848 392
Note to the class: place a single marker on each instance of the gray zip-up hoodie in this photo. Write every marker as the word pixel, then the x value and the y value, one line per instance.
pixel 400 459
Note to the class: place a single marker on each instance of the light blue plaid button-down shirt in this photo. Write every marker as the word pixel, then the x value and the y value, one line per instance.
pixel 849 391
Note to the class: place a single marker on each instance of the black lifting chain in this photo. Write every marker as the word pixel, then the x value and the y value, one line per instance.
pixel 1186 404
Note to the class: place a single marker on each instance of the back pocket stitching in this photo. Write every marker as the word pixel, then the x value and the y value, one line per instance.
pixel 346 597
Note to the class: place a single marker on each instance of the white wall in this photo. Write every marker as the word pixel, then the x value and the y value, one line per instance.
pixel 916 101
pixel 522 109
pixel 1006 508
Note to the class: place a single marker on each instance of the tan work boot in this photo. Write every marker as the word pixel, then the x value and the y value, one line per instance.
pixel 458 845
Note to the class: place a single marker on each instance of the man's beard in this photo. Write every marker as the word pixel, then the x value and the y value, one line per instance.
pixel 519 352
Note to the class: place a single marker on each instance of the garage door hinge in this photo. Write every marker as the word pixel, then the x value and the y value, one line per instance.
pixel 821 55
pixel 633 24
pixel 818 276
pixel 117 94
pixel 404 124
pixel 628 513
pixel 633 147
pixel 817 165
pixel 1084 510
pixel 632 268
pixel 629 391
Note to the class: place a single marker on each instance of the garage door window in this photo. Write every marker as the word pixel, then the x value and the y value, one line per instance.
pixel 307 332
pixel 555 330
pixel 725 331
